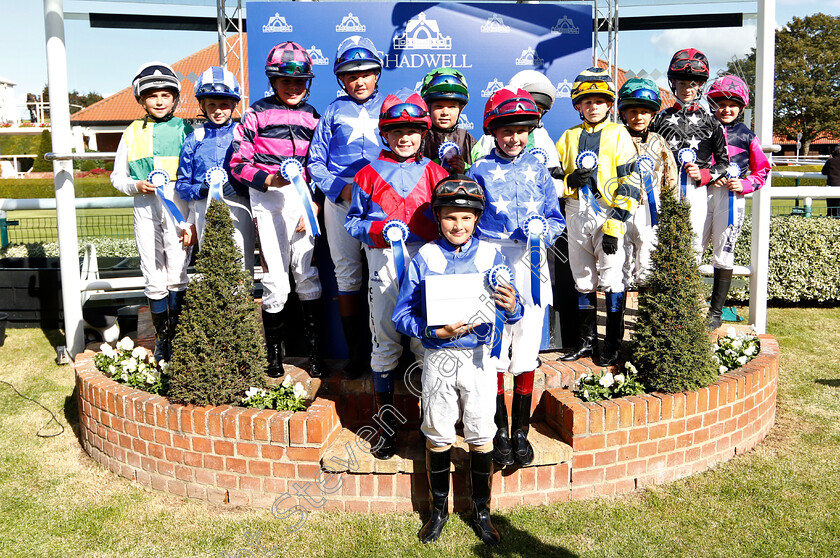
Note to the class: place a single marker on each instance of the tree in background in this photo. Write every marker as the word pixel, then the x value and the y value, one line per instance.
pixel 78 101
pixel 44 146
pixel 218 351
pixel 670 346
pixel 807 77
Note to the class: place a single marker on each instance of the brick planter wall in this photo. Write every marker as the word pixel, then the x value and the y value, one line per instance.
pixel 266 458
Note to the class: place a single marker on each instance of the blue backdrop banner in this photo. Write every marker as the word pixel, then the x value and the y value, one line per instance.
pixel 488 42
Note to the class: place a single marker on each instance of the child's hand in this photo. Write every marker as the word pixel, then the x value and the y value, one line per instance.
pixel 457 329
pixel 456 163
pixel 505 298
pixel 189 236
pixel 275 181
pixel 145 187
pixel 734 185
pixel 300 226
pixel 692 170
pixel 347 193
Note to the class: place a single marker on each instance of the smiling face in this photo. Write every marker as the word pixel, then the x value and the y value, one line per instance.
pixel 638 118
pixel 404 141
pixel 687 91
pixel 359 85
pixel 594 108
pixel 444 113
pixel 456 224
pixel 512 139
pixel 158 103
pixel 217 109
pixel 291 91
pixel 727 110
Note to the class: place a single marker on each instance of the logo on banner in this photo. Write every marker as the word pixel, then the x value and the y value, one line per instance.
pixel 529 58
pixel 464 122
pixel 566 26
pixel 422 34
pixel 495 24
pixel 276 24
pixel 350 24
pixel 318 58
pixel 492 87
pixel 418 86
pixel 564 89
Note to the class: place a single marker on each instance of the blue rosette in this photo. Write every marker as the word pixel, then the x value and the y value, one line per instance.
pixel 541 155
pixel 684 156
pixel 497 276
pixel 446 150
pixel 732 172
pixel 396 233
pixel 216 178
pixel 647 166
pixel 587 160
pixel 159 178
pixel 535 227
pixel 292 171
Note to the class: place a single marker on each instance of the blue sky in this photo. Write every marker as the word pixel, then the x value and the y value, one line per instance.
pixel 104 60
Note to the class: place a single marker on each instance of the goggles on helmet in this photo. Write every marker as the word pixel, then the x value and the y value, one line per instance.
pixel 596 85
pixel 208 88
pixel 356 53
pixel 512 106
pixel 645 94
pixel 455 78
pixel 397 111
pixel 684 64
pixel 455 187
pixel 290 68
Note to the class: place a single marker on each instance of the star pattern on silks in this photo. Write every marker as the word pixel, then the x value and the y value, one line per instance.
pixel 675 143
pixel 498 173
pixel 530 174
pixel 532 206
pixel 694 119
pixel 362 125
pixel 673 119
pixel 693 143
pixel 500 205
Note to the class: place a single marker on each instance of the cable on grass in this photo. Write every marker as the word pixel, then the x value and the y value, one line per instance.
pixel 53 419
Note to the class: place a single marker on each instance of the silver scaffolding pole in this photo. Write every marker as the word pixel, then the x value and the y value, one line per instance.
pixel 234 25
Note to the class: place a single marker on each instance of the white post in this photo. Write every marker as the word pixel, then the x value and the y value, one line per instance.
pixel 62 142
pixel 760 254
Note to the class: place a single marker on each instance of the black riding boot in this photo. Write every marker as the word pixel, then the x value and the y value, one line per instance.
pixel 163 335
pixel 615 329
pixel 176 304
pixel 437 469
pixel 481 471
pixel 388 445
pixel 357 335
pixel 587 320
pixel 274 347
pixel 720 290
pixel 523 453
pixel 311 312
pixel 502 452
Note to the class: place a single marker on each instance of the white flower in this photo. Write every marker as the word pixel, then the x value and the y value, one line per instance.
pixel 749 351
pixel 630 367
pixel 620 378
pixel 130 365
pixel 112 369
pixel 150 379
pixel 723 369
pixel 139 353
pixel 164 366
pixel 107 350
pixel 730 332
pixel 125 344
pixel 742 360
pixel 299 390
pixel 586 394
pixel 124 376
pixel 287 381
pixel 715 358
pixel 252 391
pixel 607 379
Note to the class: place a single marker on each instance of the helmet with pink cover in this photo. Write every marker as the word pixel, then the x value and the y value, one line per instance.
pixel 404 108
pixel 288 59
pixel 729 87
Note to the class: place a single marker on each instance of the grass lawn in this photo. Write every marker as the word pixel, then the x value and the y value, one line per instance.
pixel 779 500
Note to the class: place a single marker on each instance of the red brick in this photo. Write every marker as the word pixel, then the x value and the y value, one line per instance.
pixel 617 438
pixel 217 495
pixel 610 415
pixel 350 486
pixel 158 409
pixel 303 454
pixel 658 431
pixel 639 410
pixel 131 429
pixel 605 457
pixel 685 440
pixel 355 506
pixel 163 437
pixel 275 486
pixel 230 418
pixel 249 483
pixel 225 480
pixel 246 427
pixel 587 476
pixel 647 449
pixel 158 481
pixel 676 427
pixel 214 462
pixel 165 468
pixel 183 473
pixel 195 491
pixel 284 470
pixel 193 459
pixel 260 424
pixel 636 468
pixel 666 445
pixel 146 432
pixel 148 464
pixel 181 441
pixel 156 450
pixel 511 483
pixel 575 418
pixel 367 486
pixel 221 447
pixel 582 460
pixel 534 499
pixel 262 468
pixel 596 418
pixel 174 455
pixel 694 422
pixel 296 428
pixel 199 419
pixel 701 435
pixel 378 506
pixel 272 452
pixel 384 486
pixel 627 453
pixel 507 501
pixel 654 408
pixel 614 472
pixel 605 489
pixel 639 434
pixel 309 471
pixel 236 465
pixel 625 413
pixel 246 449
pixel 690 403
pixel 587 443
pixel 214 422
pixel 317 427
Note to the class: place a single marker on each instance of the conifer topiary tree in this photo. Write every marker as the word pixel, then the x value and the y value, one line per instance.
pixel 671 346
pixel 218 351
pixel 44 146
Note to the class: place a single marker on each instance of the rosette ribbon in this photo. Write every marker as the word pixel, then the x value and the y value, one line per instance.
pixel 685 155
pixel 588 160
pixel 396 233
pixel 540 154
pixel 734 171
pixel 292 170
pixel 497 276
pixel 446 150
pixel 646 169
pixel 216 177
pixel 535 227
pixel 159 178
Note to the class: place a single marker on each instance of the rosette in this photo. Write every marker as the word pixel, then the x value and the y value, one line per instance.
pixel 497 276
pixel 588 161
pixel 647 167
pixel 535 227
pixel 732 172
pixel 215 177
pixel 684 156
pixel 159 178
pixel 446 150
pixel 540 154
pixel 292 170
pixel 396 233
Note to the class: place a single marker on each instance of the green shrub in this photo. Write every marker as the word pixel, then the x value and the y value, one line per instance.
pixel 105 247
pixel 670 346
pixel 85 186
pixel 44 146
pixel 218 351
pixel 804 264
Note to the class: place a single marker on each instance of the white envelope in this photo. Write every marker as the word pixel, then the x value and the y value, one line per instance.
pixel 458 297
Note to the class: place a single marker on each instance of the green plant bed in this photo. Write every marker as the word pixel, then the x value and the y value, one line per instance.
pixel 85 186
pixel 105 248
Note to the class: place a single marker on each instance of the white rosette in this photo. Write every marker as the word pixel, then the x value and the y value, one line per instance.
pixel 497 276
pixel 216 178
pixel 733 172
pixel 159 178
pixel 587 160
pixel 541 155
pixel 647 168
pixel 446 150
pixel 535 226
pixel 292 171
pixel 396 233
pixel 684 156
